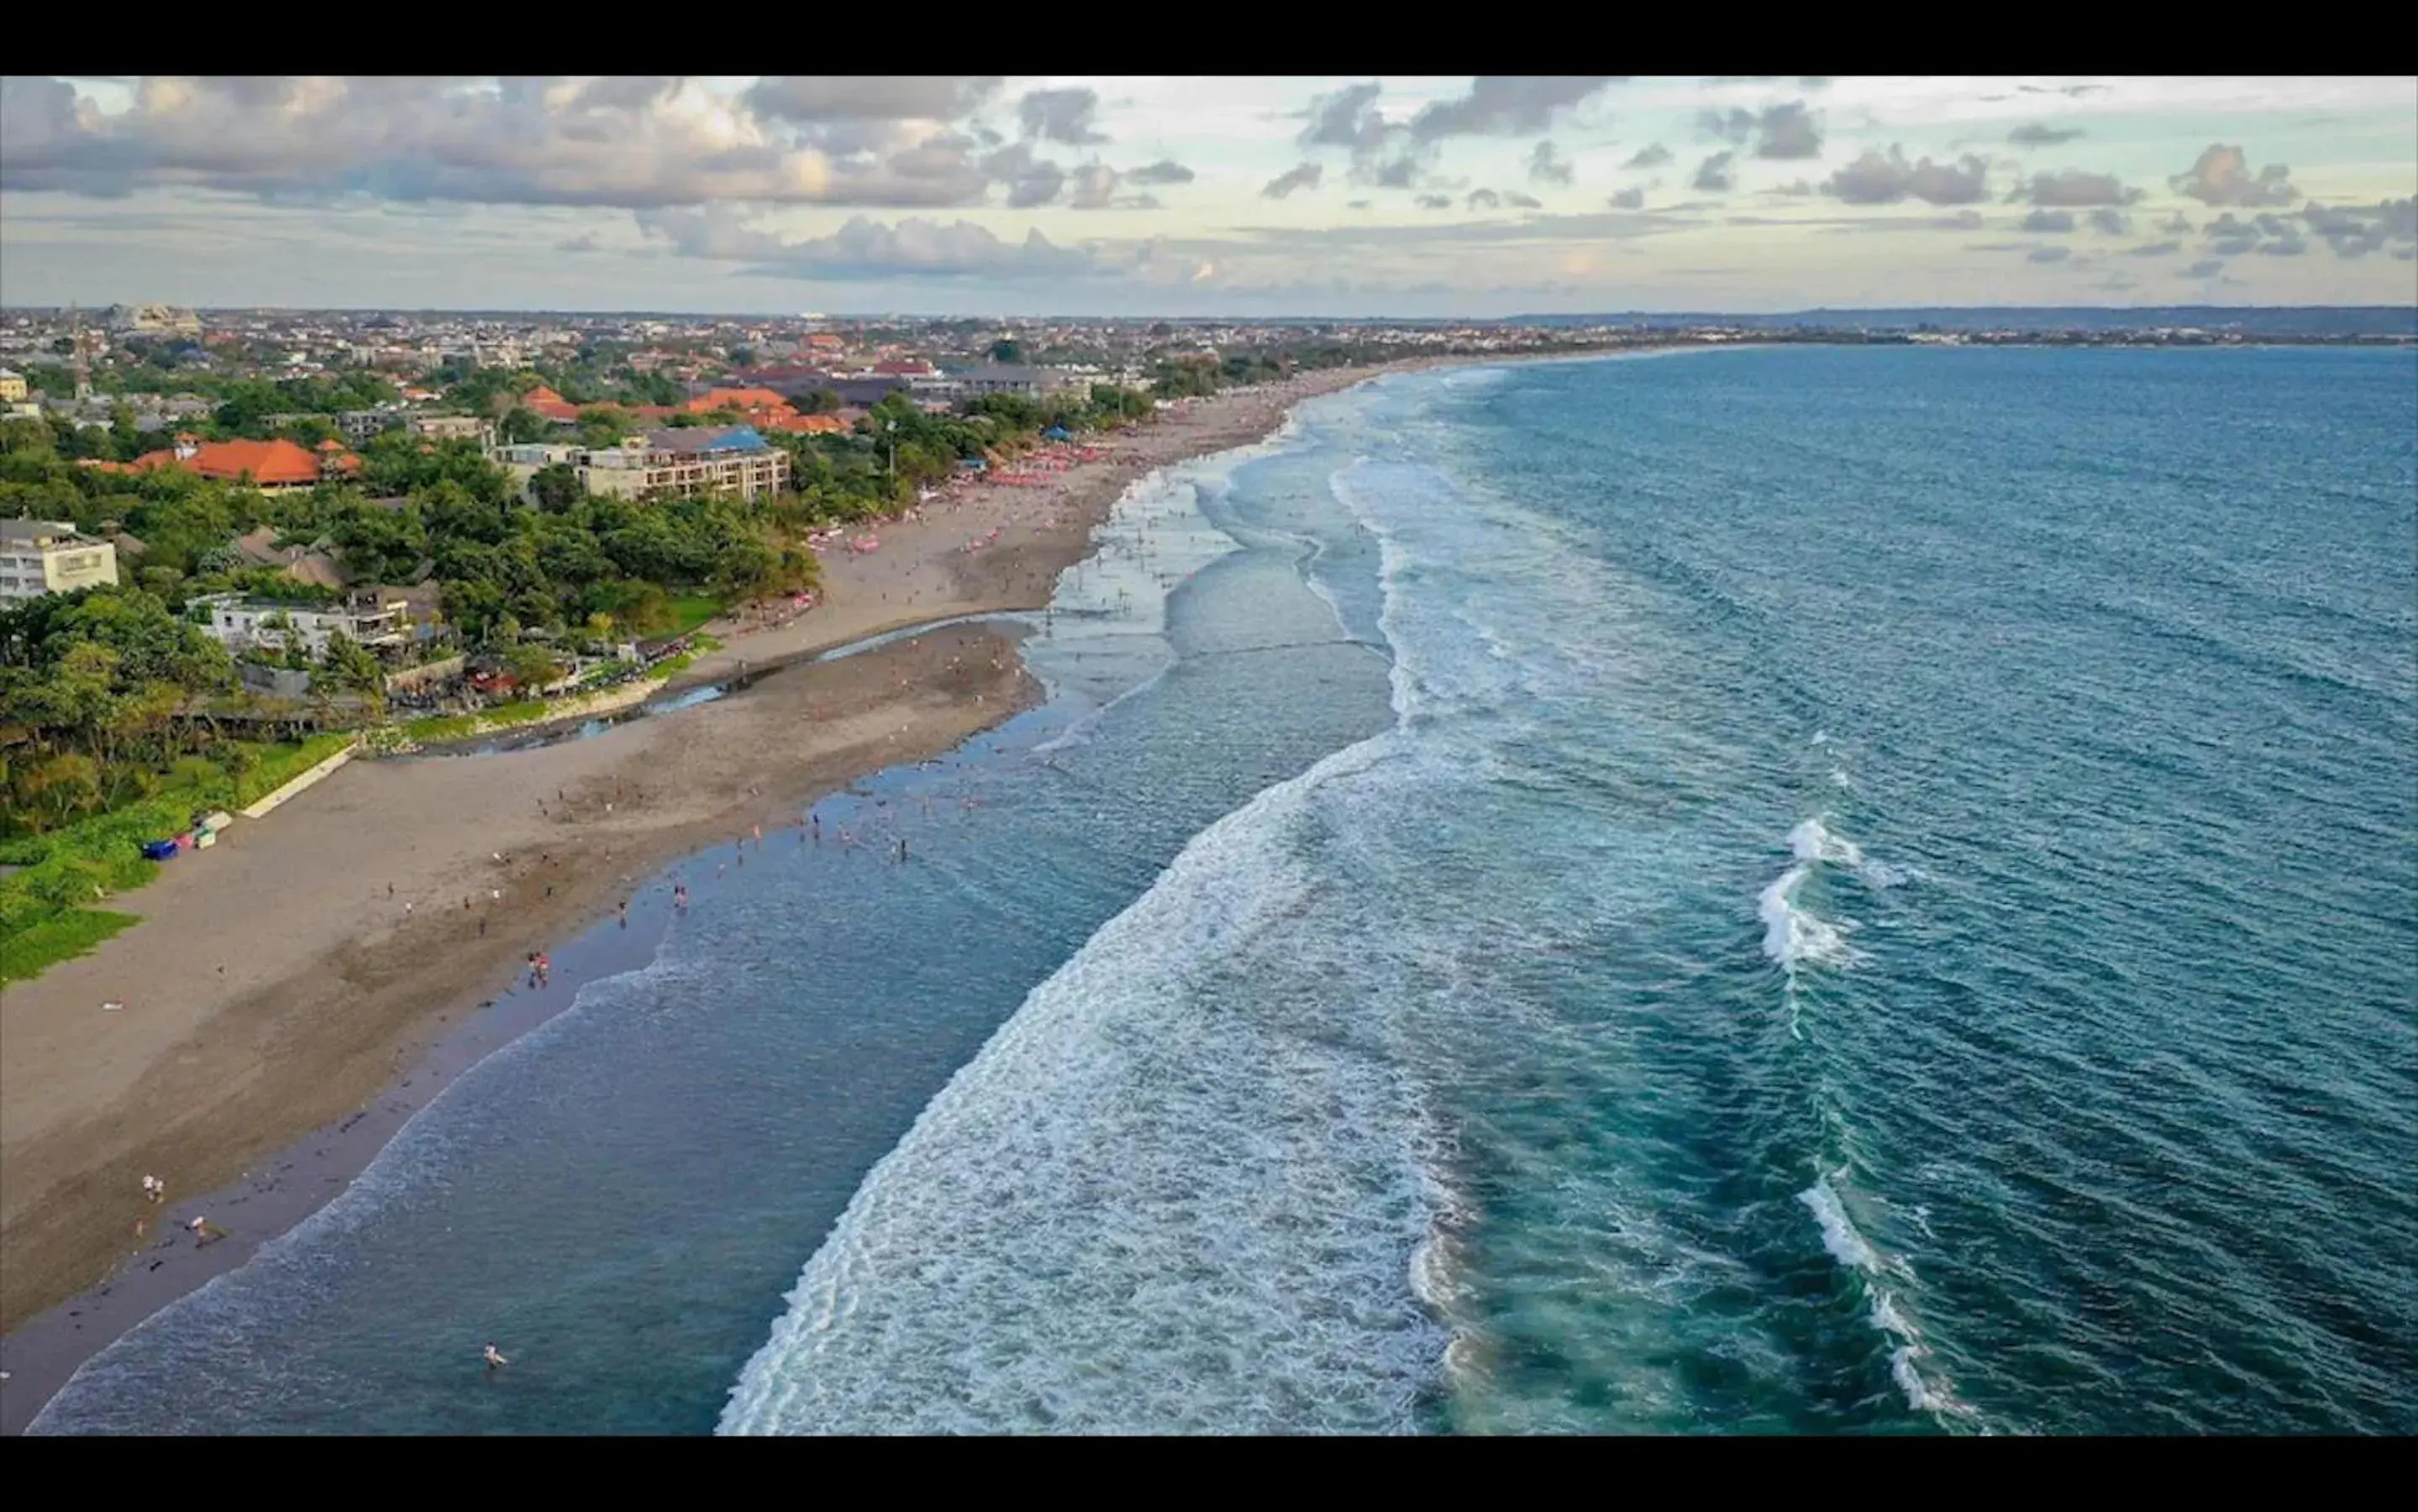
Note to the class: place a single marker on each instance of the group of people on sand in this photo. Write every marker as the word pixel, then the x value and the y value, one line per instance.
pixel 155 1191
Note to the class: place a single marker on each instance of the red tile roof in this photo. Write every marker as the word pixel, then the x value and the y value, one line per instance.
pixel 738 399
pixel 547 404
pixel 807 424
pixel 265 462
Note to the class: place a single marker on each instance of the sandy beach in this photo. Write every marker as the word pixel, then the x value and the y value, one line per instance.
pixel 277 983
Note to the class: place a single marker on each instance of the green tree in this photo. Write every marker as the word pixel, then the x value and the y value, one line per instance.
pixel 347 664
pixel 54 791
pixel 532 666
pixel 520 425
pixel 557 487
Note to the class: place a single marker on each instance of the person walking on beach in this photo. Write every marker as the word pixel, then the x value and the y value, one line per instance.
pixel 680 896
pixel 625 913
pixel 495 1361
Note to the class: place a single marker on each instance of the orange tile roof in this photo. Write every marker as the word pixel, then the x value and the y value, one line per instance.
pixel 808 424
pixel 736 398
pixel 267 461
pixel 546 403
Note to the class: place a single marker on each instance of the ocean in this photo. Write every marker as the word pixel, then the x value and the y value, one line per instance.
pixel 1782 891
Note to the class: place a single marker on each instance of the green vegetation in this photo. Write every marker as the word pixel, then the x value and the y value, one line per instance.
pixel 26 955
pixel 898 449
pixel 120 719
pixel 97 688
pixel 441 727
pixel 68 868
pixel 690 611
pixel 1198 375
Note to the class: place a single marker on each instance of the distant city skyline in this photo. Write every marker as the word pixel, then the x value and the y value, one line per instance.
pixel 1241 197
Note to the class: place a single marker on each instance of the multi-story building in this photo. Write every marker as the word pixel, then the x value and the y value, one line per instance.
pixel 153 320
pixel 359 425
pixel 1008 378
pixel 669 463
pixel 38 557
pixel 12 387
pixel 453 428
pixel 381 623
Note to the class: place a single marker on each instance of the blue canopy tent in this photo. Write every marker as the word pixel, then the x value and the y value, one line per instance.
pixel 1057 433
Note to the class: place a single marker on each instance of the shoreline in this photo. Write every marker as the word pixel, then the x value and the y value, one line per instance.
pixel 261 1162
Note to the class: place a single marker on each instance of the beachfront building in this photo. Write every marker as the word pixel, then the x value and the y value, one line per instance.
pixel 1012 378
pixel 38 557
pixel 379 622
pixel 734 459
pixel 698 459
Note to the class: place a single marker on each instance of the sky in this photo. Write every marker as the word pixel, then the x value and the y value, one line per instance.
pixel 1414 197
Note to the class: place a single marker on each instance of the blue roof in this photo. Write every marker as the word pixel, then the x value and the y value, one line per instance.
pixel 692 441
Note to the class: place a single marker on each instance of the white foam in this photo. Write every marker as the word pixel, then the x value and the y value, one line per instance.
pixel 1813 840
pixel 1795 936
pixel 1839 1233
pixel 1848 1245
pixel 1147 1205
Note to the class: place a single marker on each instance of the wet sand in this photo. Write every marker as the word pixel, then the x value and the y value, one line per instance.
pixel 321 971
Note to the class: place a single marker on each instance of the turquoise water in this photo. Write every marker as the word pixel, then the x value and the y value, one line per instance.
pixel 1798 890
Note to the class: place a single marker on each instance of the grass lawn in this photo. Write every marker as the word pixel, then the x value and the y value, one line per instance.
pixel 438 728
pixel 28 952
pixel 691 611
pixel 280 764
